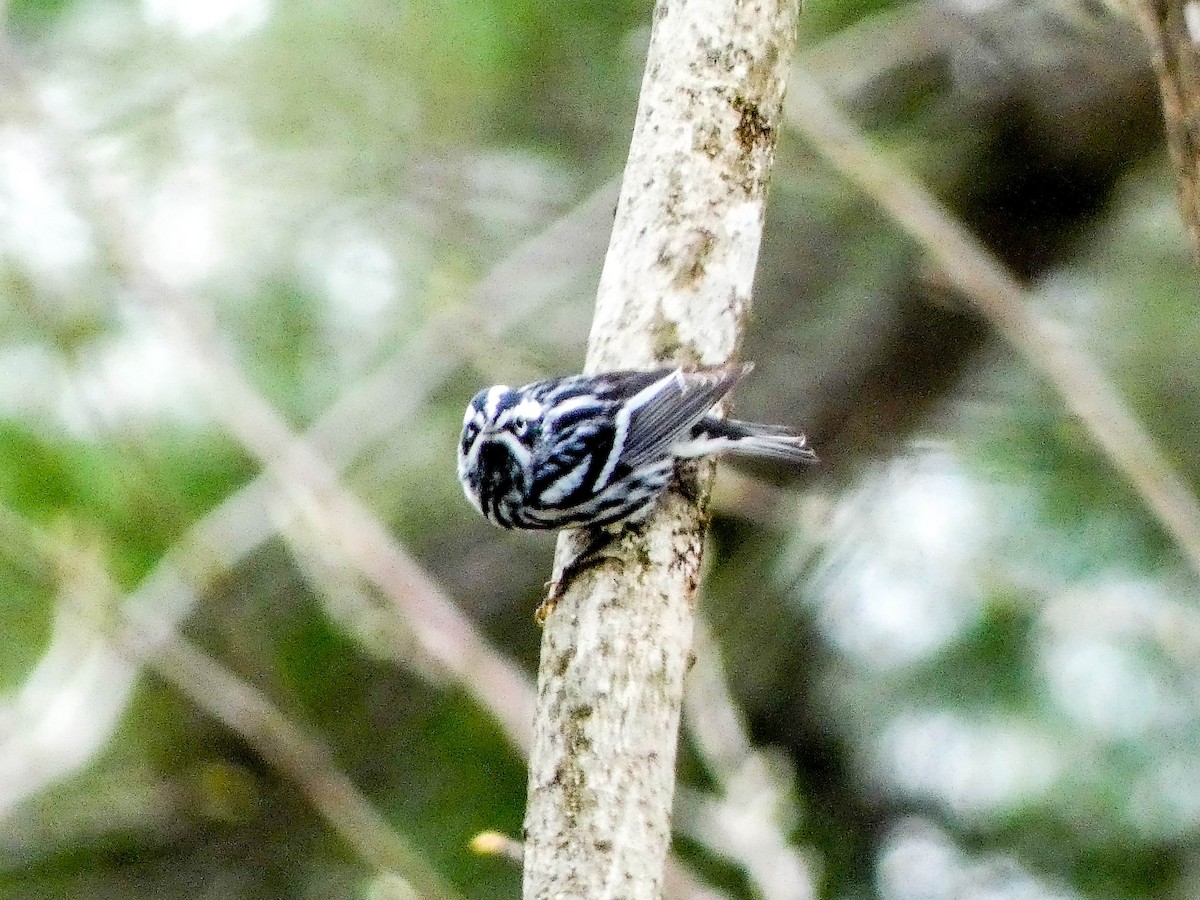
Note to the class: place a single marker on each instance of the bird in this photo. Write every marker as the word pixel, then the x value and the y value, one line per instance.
pixel 596 452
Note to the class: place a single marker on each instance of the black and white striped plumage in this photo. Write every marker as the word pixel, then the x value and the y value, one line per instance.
pixel 598 450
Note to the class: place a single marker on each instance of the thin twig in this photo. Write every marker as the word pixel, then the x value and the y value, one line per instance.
pixel 300 475
pixel 376 405
pixel 1047 345
pixel 307 485
pixel 1172 29
pixel 302 757
pixel 43 736
pixel 223 695
pixel 749 821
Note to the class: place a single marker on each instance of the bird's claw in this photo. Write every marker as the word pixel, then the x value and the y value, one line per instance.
pixel 554 589
pixel 596 547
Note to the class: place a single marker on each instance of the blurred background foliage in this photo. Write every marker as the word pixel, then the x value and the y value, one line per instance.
pixel 967 657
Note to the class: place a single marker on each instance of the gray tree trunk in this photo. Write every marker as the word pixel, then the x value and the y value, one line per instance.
pixel 675 287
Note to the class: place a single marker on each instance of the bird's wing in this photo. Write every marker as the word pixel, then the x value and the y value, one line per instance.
pixel 665 409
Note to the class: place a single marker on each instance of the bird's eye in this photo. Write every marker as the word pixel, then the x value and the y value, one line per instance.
pixel 520 426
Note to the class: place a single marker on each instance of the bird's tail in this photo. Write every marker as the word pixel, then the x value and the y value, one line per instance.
pixel 714 435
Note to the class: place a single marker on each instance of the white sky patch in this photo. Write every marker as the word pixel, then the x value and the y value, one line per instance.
pixel 1073 294
pixel 896 584
pixel 973 768
pixel 361 279
pixel 181 232
pixel 356 271
pixel 1191 19
pixel 1164 802
pixel 132 376
pixel 208 18
pixel 32 379
pixel 920 862
pixel 513 190
pixel 37 224
pixel 1107 688
pixel 137 374
pixel 1111 651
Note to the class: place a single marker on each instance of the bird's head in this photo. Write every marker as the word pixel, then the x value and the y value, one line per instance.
pixel 500 428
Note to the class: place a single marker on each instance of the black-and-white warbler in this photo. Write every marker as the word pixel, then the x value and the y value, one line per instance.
pixel 598 450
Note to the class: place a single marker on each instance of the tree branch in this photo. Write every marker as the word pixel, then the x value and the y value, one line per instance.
pixel 1172 29
pixel 754 809
pixel 1048 346
pixel 675 286
pixel 301 757
pixel 302 478
pixel 109 652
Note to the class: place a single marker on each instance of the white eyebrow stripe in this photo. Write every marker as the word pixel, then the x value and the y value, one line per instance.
pixel 494 394
pixel 528 408
pixel 473 415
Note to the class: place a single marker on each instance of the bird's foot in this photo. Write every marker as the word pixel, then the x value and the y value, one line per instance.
pixel 554 592
pixel 596 549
